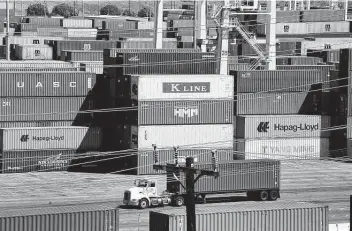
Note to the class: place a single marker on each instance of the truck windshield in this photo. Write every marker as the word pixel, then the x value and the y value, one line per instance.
pixel 141 183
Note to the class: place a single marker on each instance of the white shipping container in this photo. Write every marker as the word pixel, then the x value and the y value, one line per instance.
pixel 76 23
pixel 185 136
pixel 294 148
pixel 82 33
pixel 149 25
pixel 46 138
pixel 34 64
pixel 93 67
pixel 326 43
pixel 285 28
pixel 35 52
pixel 281 126
pixel 28 40
pixel 328 27
pixel 175 87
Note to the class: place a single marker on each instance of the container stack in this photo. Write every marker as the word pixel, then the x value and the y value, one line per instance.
pixel 279 115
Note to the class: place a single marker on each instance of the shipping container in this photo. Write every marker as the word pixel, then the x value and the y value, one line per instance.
pixel 41 161
pixel 285 29
pixel 149 25
pixel 282 126
pixel 38 69
pixel 278 80
pixel 178 112
pixel 53 32
pixel 142 164
pixel 328 27
pixel 271 216
pixel 96 67
pixel 281 103
pixel 34 64
pixel 167 44
pixel 26 124
pixel 51 84
pixel 326 55
pixel 322 15
pixel 113 24
pixel 281 149
pixel 91 45
pixel 76 23
pixel 29 40
pixel 81 55
pixel 235 176
pixel 61 218
pixel 46 138
pixel 116 34
pixel 349 127
pixel 34 52
pixel 82 33
pixel 185 136
pixel 45 109
pixel 176 87
pixel 28 27
pixel 345 67
pixel 326 44
pixel 286 16
pixel 43 21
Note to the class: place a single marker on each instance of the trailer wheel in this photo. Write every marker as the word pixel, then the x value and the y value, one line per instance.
pixel 143 204
pixel 274 195
pixel 179 201
pixel 263 195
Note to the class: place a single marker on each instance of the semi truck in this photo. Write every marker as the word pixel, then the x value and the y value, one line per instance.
pixel 260 179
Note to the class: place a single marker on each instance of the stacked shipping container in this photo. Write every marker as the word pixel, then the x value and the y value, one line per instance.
pixel 267 124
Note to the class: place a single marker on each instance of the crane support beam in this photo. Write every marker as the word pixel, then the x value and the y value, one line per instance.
pixel 223 33
pixel 158 36
pixel 201 22
pixel 271 36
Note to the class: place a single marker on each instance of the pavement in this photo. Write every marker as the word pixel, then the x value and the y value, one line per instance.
pixel 327 182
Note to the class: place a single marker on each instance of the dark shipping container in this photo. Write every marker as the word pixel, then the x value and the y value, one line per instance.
pixel 61 218
pixel 322 15
pixel 116 34
pixel 38 69
pixel 29 84
pixel 279 80
pixel 113 24
pixel 25 124
pixel 326 55
pixel 78 55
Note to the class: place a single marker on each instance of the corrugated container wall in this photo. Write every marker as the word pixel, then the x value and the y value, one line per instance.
pixel 61 218
pixel 145 44
pixel 282 126
pixel 42 161
pixel 279 80
pixel 82 56
pixel 24 69
pixel 304 103
pixel 213 135
pixel 28 27
pixel 35 52
pixel 349 127
pixel 112 24
pixel 93 67
pixel 281 149
pixel 326 43
pixel 286 16
pixel 26 124
pixel 326 55
pixel 154 87
pixel 21 40
pixel 52 32
pixel 76 23
pixel 47 138
pixel 323 15
pixel 44 109
pixel 328 27
pixel 149 25
pixel 288 216
pixel 285 29
pixel 34 64
pixel 44 22
pixel 182 112
pixel 82 33
pixel 264 174
pixel 30 84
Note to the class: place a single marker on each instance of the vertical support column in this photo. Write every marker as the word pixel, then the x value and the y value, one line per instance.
pixel 308 4
pixel 158 36
pixel 7 29
pixel 201 22
pixel 190 200
pixel 346 12
pixel 82 8
pixel 289 5
pixel 223 39
pixel 271 36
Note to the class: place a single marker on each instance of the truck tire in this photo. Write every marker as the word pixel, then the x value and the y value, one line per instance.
pixel 179 201
pixel 263 195
pixel 143 204
pixel 273 195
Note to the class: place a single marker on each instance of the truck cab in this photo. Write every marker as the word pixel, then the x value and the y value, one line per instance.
pixel 140 194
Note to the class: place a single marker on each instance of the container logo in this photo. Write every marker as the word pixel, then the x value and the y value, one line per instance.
pixel 196 87
pixel 54 161
pixel 186 111
pixel 41 85
pixel 264 127
pixel 134 59
pixel 286 28
pixel 25 138
pixel 327 27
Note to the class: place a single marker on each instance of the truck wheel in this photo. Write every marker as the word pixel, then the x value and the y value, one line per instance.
pixel 179 201
pixel 143 204
pixel 273 195
pixel 263 195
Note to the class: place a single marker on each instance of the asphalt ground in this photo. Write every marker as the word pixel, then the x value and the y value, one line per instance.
pixel 326 182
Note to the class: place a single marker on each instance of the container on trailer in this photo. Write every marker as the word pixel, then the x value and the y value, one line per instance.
pixel 42 161
pixel 96 67
pixel 179 112
pixel 322 15
pixel 213 135
pixel 45 108
pixel 81 55
pixel 34 52
pixel 288 216
pixel 278 80
pixel 26 124
pixel 82 33
pixel 59 84
pixel 142 164
pixel 76 23
pixel 46 138
pixel 278 103
pixel 281 149
pixel 176 87
pixel 113 24
pixel 73 217
pixel 34 64
pixel 282 126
